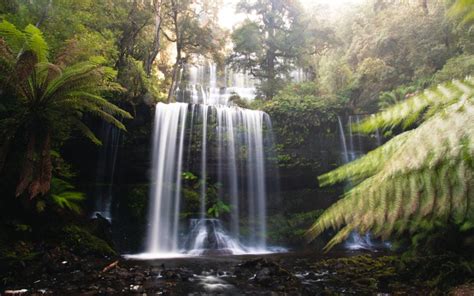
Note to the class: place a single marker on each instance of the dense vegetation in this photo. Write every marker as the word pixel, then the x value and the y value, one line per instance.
pixel 66 66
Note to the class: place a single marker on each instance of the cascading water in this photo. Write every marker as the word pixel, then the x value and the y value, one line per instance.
pixel 235 149
pixel 168 146
pixel 351 153
pixel 107 160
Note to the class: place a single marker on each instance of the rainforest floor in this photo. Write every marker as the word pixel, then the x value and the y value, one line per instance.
pixel 60 272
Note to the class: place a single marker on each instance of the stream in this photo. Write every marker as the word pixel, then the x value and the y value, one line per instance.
pixel 299 273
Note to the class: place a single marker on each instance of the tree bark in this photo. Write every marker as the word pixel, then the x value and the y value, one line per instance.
pixel 155 49
pixel 178 62
pixel 36 171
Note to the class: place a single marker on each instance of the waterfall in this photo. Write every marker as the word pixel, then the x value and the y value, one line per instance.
pixel 342 137
pixel 168 143
pixel 204 109
pixel 298 75
pixel 105 174
pixel 235 151
pixel 355 240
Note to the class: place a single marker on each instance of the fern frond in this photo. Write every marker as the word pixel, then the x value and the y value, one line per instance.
pixel 63 196
pixel 421 173
pixel 87 132
pixel 36 43
pixel 463 9
pixel 419 107
pixel 101 103
pixel 15 38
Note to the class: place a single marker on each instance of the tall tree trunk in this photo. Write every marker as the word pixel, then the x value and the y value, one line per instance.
pixel 36 171
pixel 174 78
pixel 155 49
pixel 177 65
pixel 45 13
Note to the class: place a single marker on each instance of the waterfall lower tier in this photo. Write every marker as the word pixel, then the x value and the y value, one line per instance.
pixel 208 237
pixel 165 196
pixel 231 151
pixel 351 150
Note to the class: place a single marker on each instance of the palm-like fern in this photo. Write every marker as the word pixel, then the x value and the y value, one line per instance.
pixel 425 172
pixel 48 102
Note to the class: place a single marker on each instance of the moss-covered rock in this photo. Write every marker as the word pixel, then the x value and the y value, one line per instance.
pixel 82 242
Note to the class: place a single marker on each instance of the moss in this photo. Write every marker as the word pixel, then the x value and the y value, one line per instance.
pixel 82 242
pixel 370 275
pixel 17 251
pixel 290 229
pixel 137 200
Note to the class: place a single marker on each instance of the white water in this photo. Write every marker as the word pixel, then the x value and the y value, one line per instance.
pixel 107 160
pixel 237 146
pixel 168 142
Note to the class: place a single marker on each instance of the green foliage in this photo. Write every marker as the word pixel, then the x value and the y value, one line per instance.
pixel 298 112
pixel 191 192
pixel 63 195
pixel 464 10
pixel 30 39
pixel 236 100
pixel 381 48
pixel 269 45
pixel 189 176
pixel 137 201
pixel 455 68
pixel 291 228
pixel 414 275
pixel 427 104
pixel 218 208
pixel 137 83
pixel 46 102
pixel 439 272
pixel 389 98
pixel 423 172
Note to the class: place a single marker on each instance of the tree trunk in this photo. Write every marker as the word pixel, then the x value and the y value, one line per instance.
pixel 177 65
pixel 36 171
pixel 155 49
pixel 174 81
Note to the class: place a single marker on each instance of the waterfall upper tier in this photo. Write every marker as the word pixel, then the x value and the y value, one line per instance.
pixel 205 83
pixel 201 84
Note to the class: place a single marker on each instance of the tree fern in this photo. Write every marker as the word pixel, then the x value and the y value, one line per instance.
pixel 49 101
pixel 425 172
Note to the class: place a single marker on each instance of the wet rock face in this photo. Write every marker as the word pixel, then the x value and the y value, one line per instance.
pixel 207 237
pixel 211 241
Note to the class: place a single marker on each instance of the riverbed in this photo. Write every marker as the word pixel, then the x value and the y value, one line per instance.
pixel 293 273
